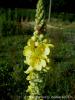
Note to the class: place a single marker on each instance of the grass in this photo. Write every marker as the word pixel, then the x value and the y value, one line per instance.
pixel 11 47
pixel 12 77
pixel 61 79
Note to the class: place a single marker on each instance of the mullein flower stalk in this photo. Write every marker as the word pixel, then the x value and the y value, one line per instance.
pixel 36 56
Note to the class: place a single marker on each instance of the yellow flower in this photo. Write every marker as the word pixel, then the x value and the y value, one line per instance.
pixel 31 42
pixel 40 49
pixel 36 61
pixel 36 53
pixel 40 65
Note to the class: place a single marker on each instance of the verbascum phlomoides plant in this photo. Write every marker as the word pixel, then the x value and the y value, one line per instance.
pixel 36 54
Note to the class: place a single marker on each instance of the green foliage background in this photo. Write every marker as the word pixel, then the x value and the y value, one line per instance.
pixel 61 79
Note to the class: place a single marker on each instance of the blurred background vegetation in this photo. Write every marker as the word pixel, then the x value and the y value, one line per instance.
pixel 16 27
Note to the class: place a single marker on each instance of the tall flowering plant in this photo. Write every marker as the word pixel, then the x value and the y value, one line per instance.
pixel 36 56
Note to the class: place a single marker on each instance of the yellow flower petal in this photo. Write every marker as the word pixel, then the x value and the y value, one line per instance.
pixel 30 69
pixel 43 63
pixel 47 51
pixel 38 67
pixel 51 45
pixel 27 51
pixel 41 36
pixel 36 44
